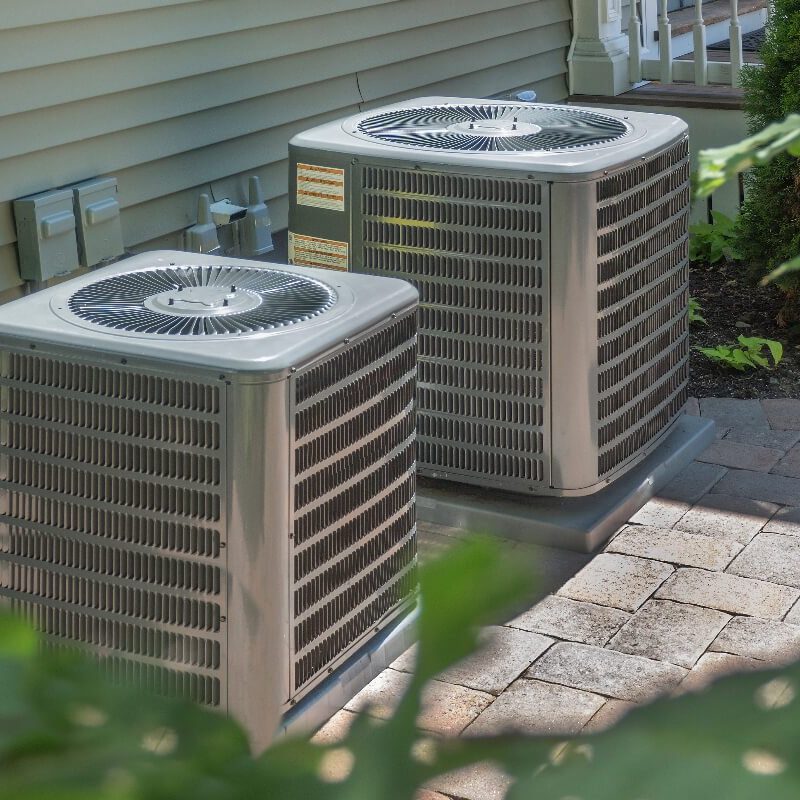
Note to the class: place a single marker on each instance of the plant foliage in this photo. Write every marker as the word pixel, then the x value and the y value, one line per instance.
pixel 769 230
pixel 695 311
pixel 66 734
pixel 711 242
pixel 748 355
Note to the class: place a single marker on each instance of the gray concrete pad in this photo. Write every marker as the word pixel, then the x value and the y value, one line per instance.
pixel 578 523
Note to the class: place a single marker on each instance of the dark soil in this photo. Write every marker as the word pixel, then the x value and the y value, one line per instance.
pixel 728 298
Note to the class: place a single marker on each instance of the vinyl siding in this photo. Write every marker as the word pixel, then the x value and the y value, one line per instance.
pixel 177 96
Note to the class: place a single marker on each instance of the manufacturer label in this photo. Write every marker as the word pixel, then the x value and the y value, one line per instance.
pixel 311 251
pixel 321 187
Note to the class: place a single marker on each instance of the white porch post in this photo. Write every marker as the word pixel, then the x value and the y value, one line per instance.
pixel 598 55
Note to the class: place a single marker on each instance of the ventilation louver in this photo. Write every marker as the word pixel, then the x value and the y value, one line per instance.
pixel 207 300
pixel 485 127
pixel 551 263
pixel 228 520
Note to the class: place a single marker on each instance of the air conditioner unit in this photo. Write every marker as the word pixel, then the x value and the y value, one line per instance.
pixel 207 473
pixel 549 247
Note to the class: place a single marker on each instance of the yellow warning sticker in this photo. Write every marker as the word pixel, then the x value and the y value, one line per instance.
pixel 311 251
pixel 321 187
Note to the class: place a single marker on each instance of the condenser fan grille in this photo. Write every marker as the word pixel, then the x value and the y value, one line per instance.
pixel 493 127
pixel 201 300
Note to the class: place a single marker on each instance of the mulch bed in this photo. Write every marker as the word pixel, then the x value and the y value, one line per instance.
pixel 728 298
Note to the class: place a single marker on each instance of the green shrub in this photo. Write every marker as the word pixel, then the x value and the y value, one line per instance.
pixel 711 242
pixel 66 734
pixel 749 354
pixel 769 229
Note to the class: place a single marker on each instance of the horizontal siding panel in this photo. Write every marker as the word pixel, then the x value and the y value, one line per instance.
pixel 41 12
pixel 26 90
pixel 65 123
pixel 403 76
pixel 160 24
pixel 175 119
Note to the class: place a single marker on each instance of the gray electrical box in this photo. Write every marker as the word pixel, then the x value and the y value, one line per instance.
pixel 46 235
pixel 98 220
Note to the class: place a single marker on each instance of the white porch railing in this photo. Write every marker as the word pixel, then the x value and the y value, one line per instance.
pixel 660 64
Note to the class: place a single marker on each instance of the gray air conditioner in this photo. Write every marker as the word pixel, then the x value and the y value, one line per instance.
pixel 549 247
pixel 207 473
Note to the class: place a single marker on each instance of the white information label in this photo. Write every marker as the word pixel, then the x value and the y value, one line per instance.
pixel 311 251
pixel 321 187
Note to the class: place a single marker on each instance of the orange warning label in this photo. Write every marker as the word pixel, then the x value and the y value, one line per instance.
pixel 321 187
pixel 311 251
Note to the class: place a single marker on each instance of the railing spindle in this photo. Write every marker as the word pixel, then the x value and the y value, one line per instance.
pixel 737 55
pixel 665 43
pixel 634 45
pixel 700 56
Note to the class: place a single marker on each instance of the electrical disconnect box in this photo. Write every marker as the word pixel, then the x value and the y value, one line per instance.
pixel 46 235
pixel 97 215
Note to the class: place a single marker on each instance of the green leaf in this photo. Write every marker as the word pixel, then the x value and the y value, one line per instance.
pixel 718 165
pixel 784 269
pixel 736 741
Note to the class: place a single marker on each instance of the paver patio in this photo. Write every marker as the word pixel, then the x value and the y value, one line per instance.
pixel 703 581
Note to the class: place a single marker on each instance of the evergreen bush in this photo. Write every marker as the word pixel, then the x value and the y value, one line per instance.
pixel 769 225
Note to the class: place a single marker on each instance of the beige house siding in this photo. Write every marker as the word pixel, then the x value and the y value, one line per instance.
pixel 176 96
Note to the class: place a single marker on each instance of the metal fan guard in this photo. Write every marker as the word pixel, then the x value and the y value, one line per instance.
pixel 201 300
pixel 493 127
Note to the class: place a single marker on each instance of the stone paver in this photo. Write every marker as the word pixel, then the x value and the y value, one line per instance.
pixel 793 617
pixel 610 714
pixel 786 521
pixel 713 666
pixel 760 486
pixel 649 616
pixel 479 782
pixel 677 633
pixel 446 709
pixel 741 456
pixel 782 414
pixel 535 707
pixel 596 669
pixel 675 547
pixel 692 407
pixel 770 557
pixel 763 639
pixel 732 413
pixel 614 580
pixel 335 729
pixel 790 464
pixel 778 440
pixel 505 654
pixel 693 482
pixel 660 512
pixel 731 593
pixel 727 517
pixel 572 620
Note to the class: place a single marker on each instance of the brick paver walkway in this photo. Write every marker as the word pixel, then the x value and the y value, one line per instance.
pixel 704 580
